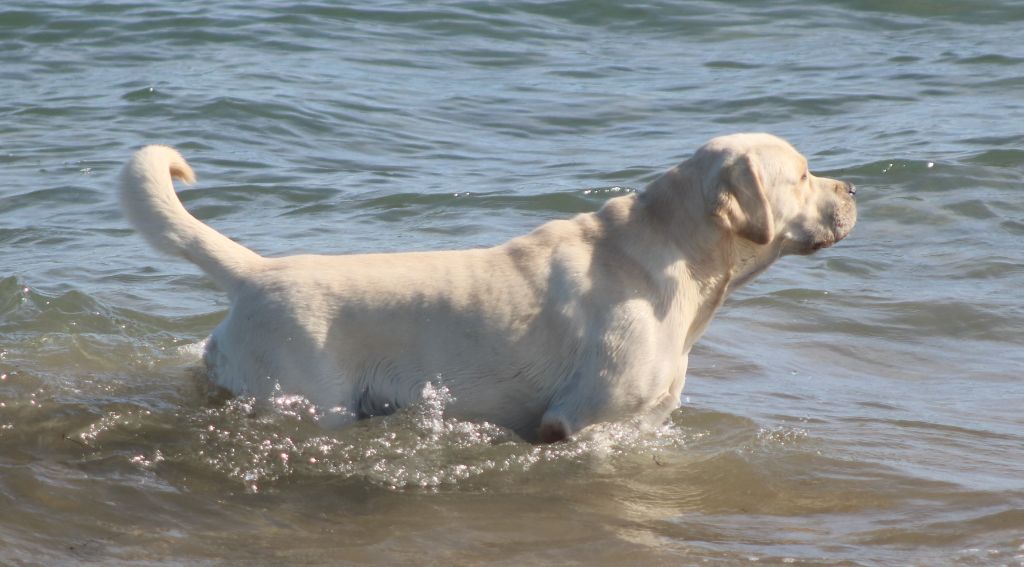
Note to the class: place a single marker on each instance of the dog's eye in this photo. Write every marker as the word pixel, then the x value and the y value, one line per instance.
pixel 803 177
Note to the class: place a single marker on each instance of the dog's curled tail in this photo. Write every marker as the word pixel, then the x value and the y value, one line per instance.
pixel 151 205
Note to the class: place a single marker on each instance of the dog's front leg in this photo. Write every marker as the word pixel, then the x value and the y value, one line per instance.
pixel 585 399
pixel 671 399
pixel 614 388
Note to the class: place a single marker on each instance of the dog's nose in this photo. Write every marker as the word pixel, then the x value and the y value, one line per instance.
pixel 851 189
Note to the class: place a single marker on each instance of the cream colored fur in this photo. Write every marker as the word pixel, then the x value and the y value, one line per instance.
pixel 581 321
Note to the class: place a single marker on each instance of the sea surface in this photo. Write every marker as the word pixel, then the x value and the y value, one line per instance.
pixel 862 406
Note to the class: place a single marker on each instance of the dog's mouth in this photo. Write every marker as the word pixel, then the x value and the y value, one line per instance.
pixel 841 226
pixel 824 244
pixel 839 231
pixel 810 242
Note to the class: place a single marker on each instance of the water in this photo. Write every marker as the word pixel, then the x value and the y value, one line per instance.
pixel 859 407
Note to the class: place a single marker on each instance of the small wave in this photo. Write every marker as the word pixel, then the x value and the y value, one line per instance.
pixel 1010 158
pixel 560 202
pixel 265 445
pixel 192 352
pixel 892 168
pixel 73 330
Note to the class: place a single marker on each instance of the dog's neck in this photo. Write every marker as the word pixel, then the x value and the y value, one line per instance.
pixel 705 258
pixel 750 260
pixel 690 263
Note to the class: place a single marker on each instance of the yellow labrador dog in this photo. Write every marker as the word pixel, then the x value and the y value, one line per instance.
pixel 581 321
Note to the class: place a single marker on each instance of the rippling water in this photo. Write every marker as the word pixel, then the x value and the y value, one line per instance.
pixel 860 406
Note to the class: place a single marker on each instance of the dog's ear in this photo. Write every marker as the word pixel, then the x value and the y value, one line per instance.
pixel 742 203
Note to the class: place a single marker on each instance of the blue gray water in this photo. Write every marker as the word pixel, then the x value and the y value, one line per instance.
pixel 858 407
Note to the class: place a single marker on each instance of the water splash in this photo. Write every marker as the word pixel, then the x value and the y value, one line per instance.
pixel 418 447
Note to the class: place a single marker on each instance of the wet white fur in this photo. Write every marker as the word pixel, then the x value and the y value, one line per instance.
pixel 581 321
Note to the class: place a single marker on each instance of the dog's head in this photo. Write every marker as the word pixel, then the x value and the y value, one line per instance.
pixel 758 191
pixel 759 188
